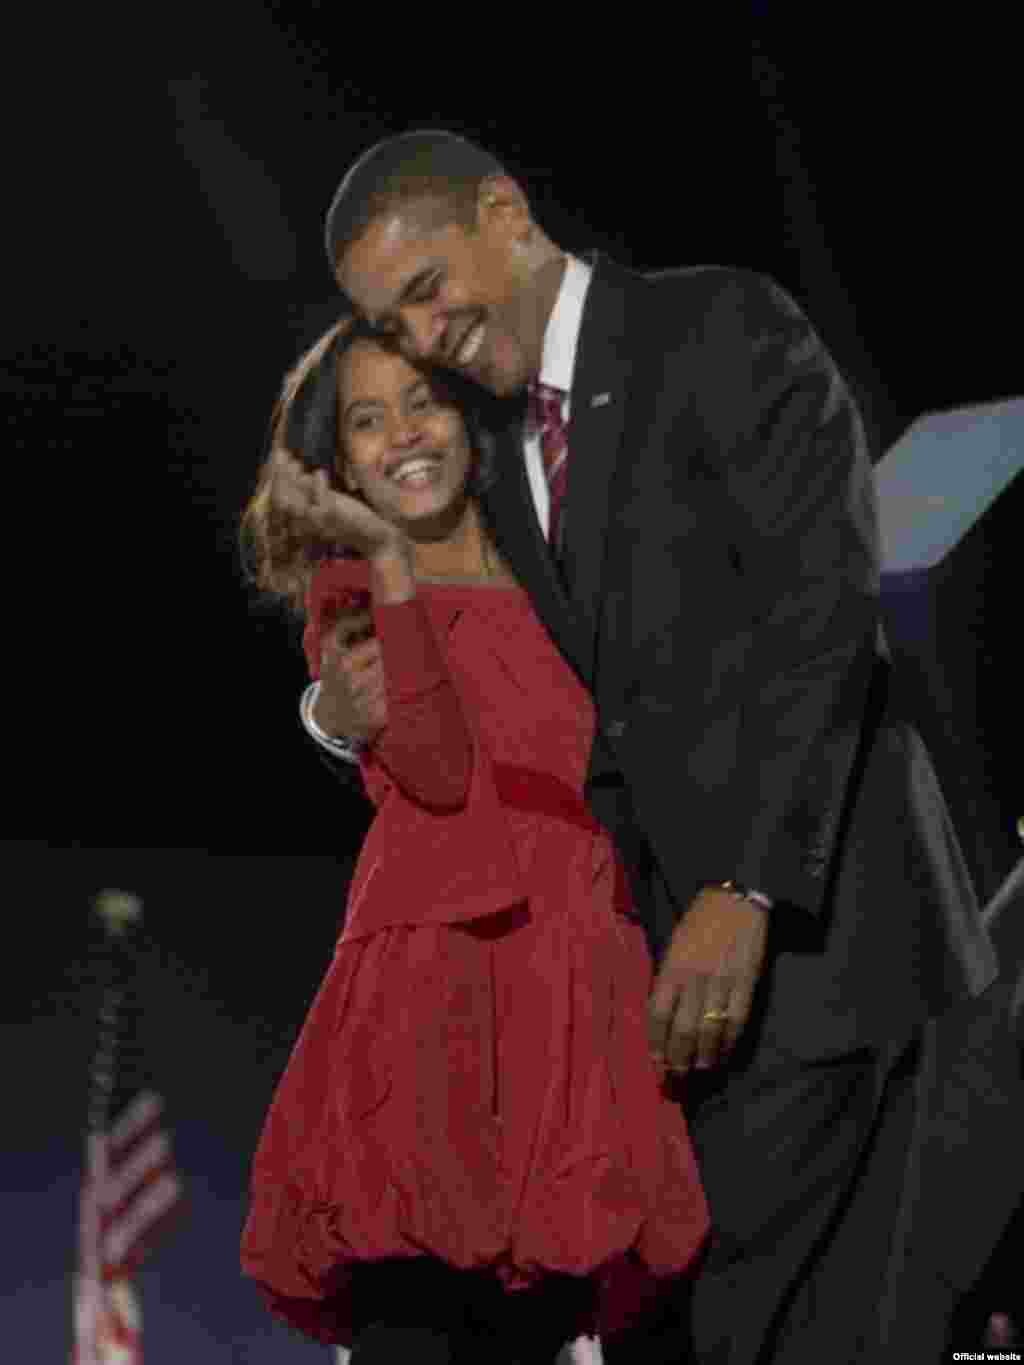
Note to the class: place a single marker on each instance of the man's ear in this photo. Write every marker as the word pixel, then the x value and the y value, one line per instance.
pixel 502 205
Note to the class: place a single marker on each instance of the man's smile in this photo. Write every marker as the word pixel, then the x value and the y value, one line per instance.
pixel 469 347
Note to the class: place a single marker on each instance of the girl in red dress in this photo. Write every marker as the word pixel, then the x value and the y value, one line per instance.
pixel 470 1136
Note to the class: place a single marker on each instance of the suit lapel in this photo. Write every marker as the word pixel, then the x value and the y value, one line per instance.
pixel 510 510
pixel 598 411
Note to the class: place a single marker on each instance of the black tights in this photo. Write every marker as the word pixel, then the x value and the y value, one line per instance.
pixel 427 1312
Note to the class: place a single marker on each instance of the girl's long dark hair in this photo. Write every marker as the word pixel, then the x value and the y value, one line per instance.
pixel 278 553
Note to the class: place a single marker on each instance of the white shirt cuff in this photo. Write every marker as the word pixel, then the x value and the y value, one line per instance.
pixel 347 749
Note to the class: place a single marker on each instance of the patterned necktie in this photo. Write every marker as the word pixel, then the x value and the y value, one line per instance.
pixel 546 413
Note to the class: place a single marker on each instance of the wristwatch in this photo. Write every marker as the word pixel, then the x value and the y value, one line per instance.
pixel 741 892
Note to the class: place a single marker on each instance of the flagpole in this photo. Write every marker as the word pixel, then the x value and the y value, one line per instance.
pixel 117 910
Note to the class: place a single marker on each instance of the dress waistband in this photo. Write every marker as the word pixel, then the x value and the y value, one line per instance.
pixel 528 790
pixel 540 793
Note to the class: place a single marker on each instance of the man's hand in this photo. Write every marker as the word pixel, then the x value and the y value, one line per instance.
pixel 352 703
pixel 705 986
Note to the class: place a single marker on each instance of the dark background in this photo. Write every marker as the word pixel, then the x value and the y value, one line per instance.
pixel 167 172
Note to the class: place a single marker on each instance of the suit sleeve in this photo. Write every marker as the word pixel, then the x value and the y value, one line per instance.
pixel 793 459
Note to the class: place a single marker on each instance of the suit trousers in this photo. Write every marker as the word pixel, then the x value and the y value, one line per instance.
pixel 804 1167
pixel 803 1160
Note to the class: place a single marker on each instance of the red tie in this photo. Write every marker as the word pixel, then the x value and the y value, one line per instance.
pixel 546 412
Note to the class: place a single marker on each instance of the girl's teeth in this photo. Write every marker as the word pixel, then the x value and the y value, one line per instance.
pixel 414 473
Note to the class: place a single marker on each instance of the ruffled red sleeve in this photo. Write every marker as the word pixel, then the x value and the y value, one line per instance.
pixel 427 746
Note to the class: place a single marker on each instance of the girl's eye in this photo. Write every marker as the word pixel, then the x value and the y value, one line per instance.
pixel 423 401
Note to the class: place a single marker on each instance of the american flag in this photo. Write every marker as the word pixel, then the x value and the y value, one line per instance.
pixel 129 1187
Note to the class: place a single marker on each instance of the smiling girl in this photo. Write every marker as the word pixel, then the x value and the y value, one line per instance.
pixel 470 1152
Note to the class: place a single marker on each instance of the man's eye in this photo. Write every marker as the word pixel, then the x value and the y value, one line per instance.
pixel 427 290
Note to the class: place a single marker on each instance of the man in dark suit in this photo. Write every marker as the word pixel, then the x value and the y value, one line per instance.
pixel 688 498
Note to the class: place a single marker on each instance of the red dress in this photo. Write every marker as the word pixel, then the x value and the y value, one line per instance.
pixel 473 1079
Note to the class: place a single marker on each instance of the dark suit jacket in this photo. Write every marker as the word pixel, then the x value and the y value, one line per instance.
pixel 722 570
pixel 719 596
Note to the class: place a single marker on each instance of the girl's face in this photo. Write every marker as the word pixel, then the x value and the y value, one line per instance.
pixel 404 445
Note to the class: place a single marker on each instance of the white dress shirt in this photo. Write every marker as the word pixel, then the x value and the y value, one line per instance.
pixel 557 367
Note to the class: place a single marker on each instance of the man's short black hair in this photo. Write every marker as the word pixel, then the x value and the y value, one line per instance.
pixel 440 169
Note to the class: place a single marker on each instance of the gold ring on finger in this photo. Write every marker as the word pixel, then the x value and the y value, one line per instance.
pixel 715 1016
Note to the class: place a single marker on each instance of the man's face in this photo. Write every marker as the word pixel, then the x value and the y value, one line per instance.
pixel 453 298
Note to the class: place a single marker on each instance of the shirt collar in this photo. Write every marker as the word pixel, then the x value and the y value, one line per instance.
pixel 558 356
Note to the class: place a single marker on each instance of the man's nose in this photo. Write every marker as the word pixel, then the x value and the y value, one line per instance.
pixel 423 332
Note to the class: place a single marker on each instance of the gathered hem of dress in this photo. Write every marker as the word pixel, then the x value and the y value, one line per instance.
pixel 310 1288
